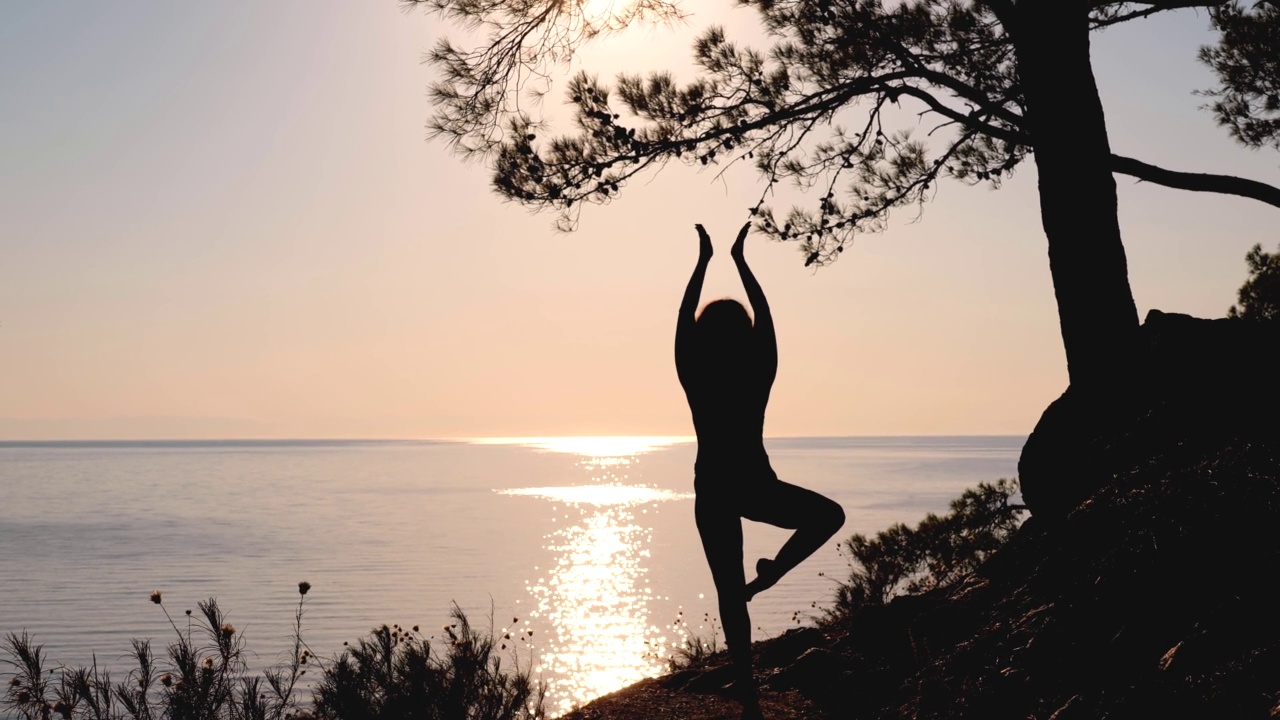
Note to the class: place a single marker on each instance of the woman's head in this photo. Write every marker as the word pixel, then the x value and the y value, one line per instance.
pixel 723 325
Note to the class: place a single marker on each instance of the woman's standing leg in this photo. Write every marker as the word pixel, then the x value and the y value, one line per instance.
pixel 815 519
pixel 721 531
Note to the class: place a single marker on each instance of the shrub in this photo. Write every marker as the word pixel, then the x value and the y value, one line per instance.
pixel 937 553
pixel 391 674
pixel 395 674
pixel 204 677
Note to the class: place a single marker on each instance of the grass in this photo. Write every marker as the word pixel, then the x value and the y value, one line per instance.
pixel 696 649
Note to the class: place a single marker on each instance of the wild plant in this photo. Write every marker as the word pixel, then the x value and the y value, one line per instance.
pixel 396 673
pixel 696 648
pixel 203 678
pixel 938 552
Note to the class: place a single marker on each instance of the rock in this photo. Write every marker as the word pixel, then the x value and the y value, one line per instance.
pixel 814 673
pixel 883 633
pixel 1148 600
pixel 1193 380
pixel 715 680
pixel 679 679
pixel 1061 462
pixel 786 648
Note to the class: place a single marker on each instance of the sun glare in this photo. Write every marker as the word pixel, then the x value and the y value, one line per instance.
pixel 600 495
pixel 618 446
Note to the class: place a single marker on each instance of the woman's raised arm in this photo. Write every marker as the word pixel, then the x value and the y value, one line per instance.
pixel 689 306
pixel 765 336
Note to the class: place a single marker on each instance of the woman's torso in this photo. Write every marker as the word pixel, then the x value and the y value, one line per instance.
pixel 728 407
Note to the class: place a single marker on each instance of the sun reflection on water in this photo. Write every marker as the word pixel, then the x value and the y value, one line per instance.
pixel 600 495
pixel 594 448
pixel 596 603
pixel 595 597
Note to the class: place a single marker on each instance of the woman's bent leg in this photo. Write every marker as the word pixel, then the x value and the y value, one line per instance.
pixel 815 519
pixel 721 531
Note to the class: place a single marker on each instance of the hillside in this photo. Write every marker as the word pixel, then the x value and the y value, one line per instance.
pixel 1142 586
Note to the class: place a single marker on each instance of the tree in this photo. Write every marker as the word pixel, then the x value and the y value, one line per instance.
pixel 1001 80
pixel 1259 296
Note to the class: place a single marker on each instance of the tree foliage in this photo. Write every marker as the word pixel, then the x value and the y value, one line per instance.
pixel 938 552
pixel 1259 296
pixel 1248 63
pixel 783 108
pixel 484 88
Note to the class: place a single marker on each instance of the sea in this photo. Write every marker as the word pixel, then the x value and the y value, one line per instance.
pixel 579 554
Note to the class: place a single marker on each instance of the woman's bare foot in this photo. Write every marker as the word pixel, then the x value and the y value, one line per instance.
pixel 766 577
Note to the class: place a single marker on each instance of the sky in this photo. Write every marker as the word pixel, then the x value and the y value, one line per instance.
pixel 225 220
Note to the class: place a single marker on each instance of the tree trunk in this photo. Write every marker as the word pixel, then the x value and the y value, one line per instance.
pixel 1077 191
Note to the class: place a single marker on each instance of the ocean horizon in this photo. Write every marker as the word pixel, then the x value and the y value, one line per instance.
pixel 476 439
pixel 581 548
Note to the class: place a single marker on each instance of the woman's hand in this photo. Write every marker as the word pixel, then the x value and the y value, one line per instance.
pixel 704 243
pixel 736 251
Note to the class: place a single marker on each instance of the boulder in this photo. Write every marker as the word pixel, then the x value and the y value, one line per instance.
pixel 787 647
pixel 1193 381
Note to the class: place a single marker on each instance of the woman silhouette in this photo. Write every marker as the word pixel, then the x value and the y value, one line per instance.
pixel 727 365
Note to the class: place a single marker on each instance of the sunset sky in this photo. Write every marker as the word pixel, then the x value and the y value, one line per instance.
pixel 224 219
